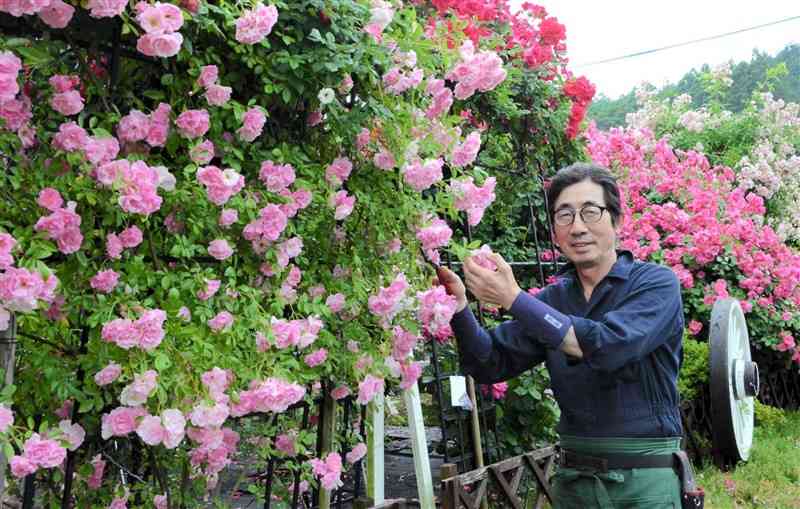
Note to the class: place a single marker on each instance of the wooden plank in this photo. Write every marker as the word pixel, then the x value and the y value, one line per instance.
pixel 328 431
pixel 419 445
pixel 375 471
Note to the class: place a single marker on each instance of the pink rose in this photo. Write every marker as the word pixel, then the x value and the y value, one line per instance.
pixel 22 466
pixel 160 502
pixel 217 95
pixel 150 430
pixel 133 127
pixel 227 217
pixel 104 281
pixel 73 432
pixel 252 124
pixel 67 103
pixel 108 374
pixel 106 8
pixel 208 76
pixel 220 249
pixel 256 24
pixel 356 453
pixel 202 153
pixel 57 15
pixel 6 418
pixel 131 237
pixel 335 302
pixel 160 45
pixel 221 321
pixel 114 246
pixel 50 199
pixel 45 453
pixel 193 123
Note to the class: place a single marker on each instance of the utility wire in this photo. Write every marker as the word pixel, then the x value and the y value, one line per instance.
pixel 686 43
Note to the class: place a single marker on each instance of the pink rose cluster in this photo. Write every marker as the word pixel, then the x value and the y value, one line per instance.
pixel 220 184
pixel 338 171
pixel 368 388
pixel 464 153
pixel 441 98
pixel 381 14
pixel 137 392
pixel 254 25
pixel 38 452
pixel 212 286
pixel 343 205
pixel 152 128
pixel 106 8
pixel 252 124
pixel 422 175
pixel 215 446
pixel 63 224
pixel 216 95
pixel 471 198
pixel 14 112
pixel 408 371
pixel 300 332
pixel 403 343
pixel 483 257
pixel 220 249
pixel 289 286
pixel 436 309
pixel 137 182
pixel 202 153
pixel 266 228
pixel 54 13
pixel 271 395
pixel 193 123
pixel 7 243
pixel 389 300
pixel 276 177
pixel 316 358
pixel 66 100
pixel 146 332
pixel 160 22
pixel 328 471
pixel 396 81
pixel 127 239
pixel 481 71
pixel 288 249
pixel 72 138
pixel 434 235
pixel 21 290
pixel 6 418
pixel 104 281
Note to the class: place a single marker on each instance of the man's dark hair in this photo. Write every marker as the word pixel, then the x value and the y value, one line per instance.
pixel 578 172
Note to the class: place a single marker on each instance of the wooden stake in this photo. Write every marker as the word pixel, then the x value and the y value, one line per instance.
pixel 328 431
pixel 375 473
pixel 419 445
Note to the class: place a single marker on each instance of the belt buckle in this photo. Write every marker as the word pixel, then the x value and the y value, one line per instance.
pixel 583 462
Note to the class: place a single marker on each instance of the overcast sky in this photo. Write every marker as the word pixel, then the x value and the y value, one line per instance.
pixel 597 30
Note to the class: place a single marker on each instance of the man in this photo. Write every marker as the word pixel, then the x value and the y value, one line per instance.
pixel 610 332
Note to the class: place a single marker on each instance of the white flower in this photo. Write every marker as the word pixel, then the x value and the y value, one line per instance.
pixel 326 96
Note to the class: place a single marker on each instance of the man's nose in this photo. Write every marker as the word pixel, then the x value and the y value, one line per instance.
pixel 578 226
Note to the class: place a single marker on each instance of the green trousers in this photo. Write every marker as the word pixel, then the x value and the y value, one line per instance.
pixel 634 488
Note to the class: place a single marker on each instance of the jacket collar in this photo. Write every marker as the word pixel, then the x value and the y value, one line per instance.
pixel 621 268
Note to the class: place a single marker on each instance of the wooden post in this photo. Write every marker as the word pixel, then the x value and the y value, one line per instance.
pixel 328 431
pixel 8 346
pixel 476 431
pixel 375 473
pixel 419 446
pixel 447 493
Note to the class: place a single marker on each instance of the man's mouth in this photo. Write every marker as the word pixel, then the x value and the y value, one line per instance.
pixel 580 244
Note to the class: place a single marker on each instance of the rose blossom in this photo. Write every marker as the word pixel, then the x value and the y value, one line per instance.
pixel 108 374
pixel 220 249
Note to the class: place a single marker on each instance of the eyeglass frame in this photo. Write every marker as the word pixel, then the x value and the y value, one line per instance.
pixel 575 212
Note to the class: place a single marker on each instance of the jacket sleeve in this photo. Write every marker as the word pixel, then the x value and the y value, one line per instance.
pixel 645 319
pixel 495 355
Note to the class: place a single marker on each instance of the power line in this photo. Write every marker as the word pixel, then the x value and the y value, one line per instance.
pixel 686 43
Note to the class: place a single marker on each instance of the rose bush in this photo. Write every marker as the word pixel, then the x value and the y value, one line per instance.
pixel 231 215
pixel 707 192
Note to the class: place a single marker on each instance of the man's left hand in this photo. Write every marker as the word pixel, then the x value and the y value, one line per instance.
pixel 493 287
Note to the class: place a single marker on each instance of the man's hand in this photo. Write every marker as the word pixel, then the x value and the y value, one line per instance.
pixel 493 287
pixel 453 285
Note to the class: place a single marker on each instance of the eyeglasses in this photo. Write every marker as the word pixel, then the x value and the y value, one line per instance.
pixel 589 214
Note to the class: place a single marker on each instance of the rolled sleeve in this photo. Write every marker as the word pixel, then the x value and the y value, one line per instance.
pixel 645 319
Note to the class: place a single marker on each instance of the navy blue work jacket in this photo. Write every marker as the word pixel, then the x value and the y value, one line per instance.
pixel 630 332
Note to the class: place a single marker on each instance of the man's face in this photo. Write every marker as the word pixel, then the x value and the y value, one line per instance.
pixel 585 244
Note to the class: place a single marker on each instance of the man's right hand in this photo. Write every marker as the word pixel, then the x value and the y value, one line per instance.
pixel 453 285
